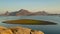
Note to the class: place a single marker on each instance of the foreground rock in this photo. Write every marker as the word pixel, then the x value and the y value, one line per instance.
pixel 18 30
pixel 4 30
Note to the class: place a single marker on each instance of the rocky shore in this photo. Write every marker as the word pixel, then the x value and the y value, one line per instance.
pixel 18 30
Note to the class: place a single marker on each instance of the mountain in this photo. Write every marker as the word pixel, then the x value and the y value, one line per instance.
pixel 20 13
pixel 5 14
pixel 24 12
pixel 39 13
pixel 13 13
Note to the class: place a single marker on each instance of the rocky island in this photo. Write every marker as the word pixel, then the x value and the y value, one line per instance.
pixel 29 22
pixel 18 30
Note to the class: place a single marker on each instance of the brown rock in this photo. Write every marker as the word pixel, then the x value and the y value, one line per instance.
pixel 18 30
pixel 21 30
pixel 4 30
pixel 8 31
pixel 36 32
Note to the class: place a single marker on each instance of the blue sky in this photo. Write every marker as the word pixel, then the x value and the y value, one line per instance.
pixel 51 6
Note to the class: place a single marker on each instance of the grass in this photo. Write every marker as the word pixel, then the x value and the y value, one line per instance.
pixel 29 22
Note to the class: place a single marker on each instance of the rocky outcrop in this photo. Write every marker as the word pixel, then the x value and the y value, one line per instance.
pixel 4 30
pixel 18 30
pixel 21 30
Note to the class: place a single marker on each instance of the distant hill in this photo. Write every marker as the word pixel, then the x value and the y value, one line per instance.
pixel 39 13
pixel 24 12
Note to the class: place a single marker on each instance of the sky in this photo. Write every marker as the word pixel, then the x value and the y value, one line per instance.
pixel 51 6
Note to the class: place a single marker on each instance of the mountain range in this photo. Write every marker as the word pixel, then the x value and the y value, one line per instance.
pixel 24 12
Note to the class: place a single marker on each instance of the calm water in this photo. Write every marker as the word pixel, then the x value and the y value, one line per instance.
pixel 47 29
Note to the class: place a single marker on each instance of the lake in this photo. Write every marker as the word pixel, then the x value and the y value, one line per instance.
pixel 47 29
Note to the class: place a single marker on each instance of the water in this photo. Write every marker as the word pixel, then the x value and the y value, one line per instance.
pixel 47 29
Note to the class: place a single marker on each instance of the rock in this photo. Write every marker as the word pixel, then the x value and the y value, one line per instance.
pixel 36 32
pixel 7 31
pixel 21 30
pixel 4 30
pixel 18 30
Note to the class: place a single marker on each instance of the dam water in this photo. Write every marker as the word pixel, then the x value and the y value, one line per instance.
pixel 47 29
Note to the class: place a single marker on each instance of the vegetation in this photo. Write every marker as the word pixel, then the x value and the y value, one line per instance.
pixel 29 22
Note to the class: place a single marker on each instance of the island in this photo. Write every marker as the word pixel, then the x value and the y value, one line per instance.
pixel 29 22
